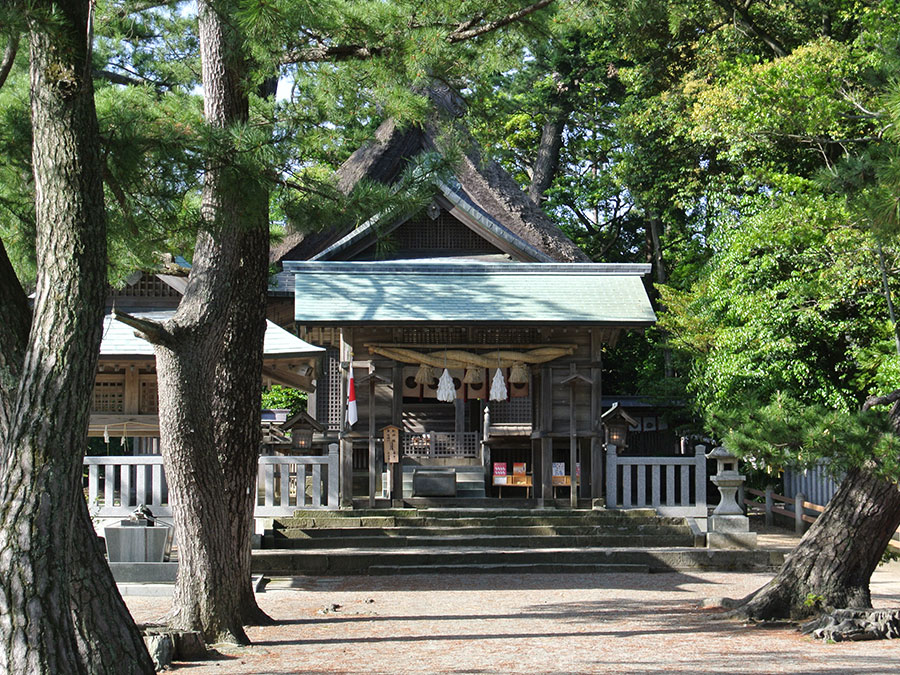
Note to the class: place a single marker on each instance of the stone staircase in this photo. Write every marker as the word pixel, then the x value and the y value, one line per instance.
pixel 457 540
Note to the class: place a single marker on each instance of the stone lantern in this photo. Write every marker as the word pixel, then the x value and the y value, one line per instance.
pixel 728 526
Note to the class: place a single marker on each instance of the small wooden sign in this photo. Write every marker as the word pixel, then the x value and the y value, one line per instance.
pixel 391 444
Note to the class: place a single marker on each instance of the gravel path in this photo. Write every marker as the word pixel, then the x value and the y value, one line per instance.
pixel 533 623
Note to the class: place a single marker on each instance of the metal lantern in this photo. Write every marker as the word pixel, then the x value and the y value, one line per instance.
pixel 616 421
pixel 302 438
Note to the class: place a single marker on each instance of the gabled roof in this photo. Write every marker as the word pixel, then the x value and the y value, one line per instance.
pixel 492 200
pixel 412 292
pixel 119 340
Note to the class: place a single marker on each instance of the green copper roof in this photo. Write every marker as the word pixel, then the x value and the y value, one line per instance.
pixel 345 293
pixel 119 340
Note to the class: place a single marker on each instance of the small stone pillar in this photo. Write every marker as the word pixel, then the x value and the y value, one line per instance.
pixel 728 526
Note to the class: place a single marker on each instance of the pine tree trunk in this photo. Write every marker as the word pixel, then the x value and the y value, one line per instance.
pixel 47 402
pixel 104 629
pixel 835 559
pixel 210 367
pixel 546 161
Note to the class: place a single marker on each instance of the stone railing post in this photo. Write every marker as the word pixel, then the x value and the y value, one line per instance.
pixel 770 504
pixel 611 476
pixel 799 523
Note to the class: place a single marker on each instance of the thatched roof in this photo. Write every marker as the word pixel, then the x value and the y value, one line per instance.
pixel 485 184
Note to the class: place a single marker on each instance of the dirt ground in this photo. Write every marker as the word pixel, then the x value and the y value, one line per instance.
pixel 531 623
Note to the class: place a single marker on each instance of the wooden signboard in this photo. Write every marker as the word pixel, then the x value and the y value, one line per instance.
pixel 391 444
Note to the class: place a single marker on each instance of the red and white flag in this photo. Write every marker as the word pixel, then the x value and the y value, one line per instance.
pixel 352 414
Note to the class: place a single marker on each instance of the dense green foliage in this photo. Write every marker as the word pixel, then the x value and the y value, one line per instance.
pixel 756 142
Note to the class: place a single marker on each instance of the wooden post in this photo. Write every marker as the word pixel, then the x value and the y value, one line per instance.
pixel 770 504
pixel 596 408
pixel 546 470
pixel 799 523
pixel 131 402
pixel 372 464
pixel 573 444
pixel 346 444
pixel 397 421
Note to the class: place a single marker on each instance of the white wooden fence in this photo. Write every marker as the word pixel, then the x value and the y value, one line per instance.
pixel 116 486
pixel 673 486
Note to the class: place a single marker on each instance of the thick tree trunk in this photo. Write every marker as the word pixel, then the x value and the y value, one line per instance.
pixel 209 364
pixel 49 372
pixel 835 559
pixel 546 161
pixel 104 629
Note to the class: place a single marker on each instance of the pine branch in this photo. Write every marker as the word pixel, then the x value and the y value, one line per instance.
pixel 742 11
pixel 461 34
pixel 151 331
pixel 465 30
pixel 9 57
pixel 332 53
pixel 887 399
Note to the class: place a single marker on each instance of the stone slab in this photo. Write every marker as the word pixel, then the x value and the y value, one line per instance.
pixel 731 540
pixel 137 572
pixel 434 483
pixel 729 523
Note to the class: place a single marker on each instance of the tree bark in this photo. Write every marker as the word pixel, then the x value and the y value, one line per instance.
pixel 836 557
pixel 209 364
pixel 546 162
pixel 48 375
pixel 104 629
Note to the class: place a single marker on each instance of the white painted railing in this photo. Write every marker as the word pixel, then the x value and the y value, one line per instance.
pixel 118 485
pixel 289 483
pixel 672 485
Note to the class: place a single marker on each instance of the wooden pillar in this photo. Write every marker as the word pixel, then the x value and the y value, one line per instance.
pixel 346 444
pixel 372 464
pixel 397 421
pixel 546 470
pixel 596 484
pixel 132 398
pixel 573 445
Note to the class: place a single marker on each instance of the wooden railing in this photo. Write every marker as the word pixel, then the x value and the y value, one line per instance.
pixel 116 486
pixel 441 444
pixel 773 504
pixel 671 485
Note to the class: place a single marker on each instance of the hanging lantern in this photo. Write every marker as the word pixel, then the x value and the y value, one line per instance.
pixel 446 391
pixel 518 374
pixel 474 375
pixel 498 387
pixel 106 434
pixel 425 375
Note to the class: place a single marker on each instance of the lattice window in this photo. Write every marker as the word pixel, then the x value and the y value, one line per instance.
pixel 511 336
pixel 149 404
pixel 513 411
pixel 445 233
pixel 437 444
pixel 431 336
pixel 328 391
pixel 148 286
pixel 109 395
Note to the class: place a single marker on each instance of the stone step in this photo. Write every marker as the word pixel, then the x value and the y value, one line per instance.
pixel 523 531
pixel 482 540
pixel 328 520
pixel 524 568
pixel 411 560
